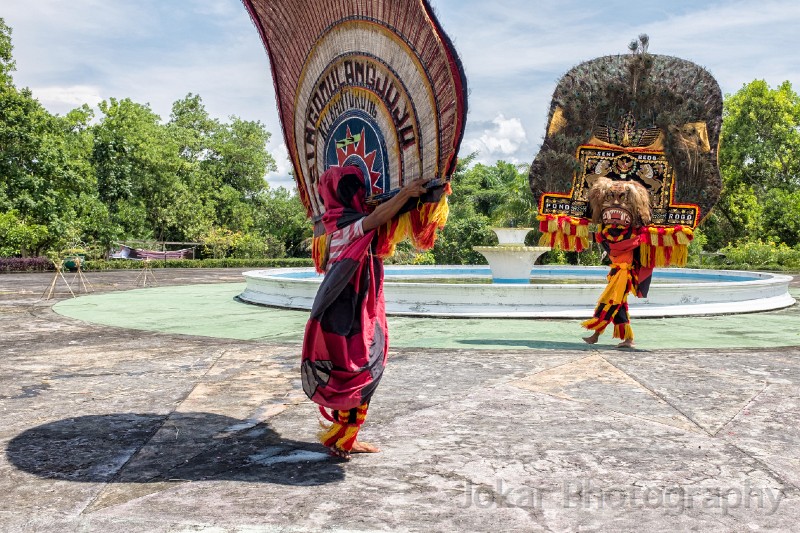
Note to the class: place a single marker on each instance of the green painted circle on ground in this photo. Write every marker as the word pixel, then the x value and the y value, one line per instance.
pixel 213 311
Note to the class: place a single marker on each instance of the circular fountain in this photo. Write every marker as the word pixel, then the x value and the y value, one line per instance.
pixel 554 291
pixel 511 261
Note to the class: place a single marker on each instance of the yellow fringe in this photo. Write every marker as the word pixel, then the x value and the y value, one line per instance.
pixel 437 215
pixel 644 253
pixel 319 247
pixel 617 286
pixel 440 213
pixel 661 258
pixel 652 253
pixel 680 254
pixel 328 431
pixel 403 228
pixel 349 433
pixel 564 226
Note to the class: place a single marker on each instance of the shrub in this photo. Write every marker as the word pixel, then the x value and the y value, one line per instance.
pixel 455 241
pixel 217 242
pixel 406 254
pixel 761 255
pixel 253 246
pixel 554 257
pixel 114 264
pixel 18 237
pixel 424 258
pixel 26 264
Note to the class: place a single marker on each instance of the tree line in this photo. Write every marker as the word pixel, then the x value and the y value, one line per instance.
pixel 122 173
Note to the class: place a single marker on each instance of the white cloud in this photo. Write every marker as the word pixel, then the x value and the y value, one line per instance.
pixel 500 141
pixel 513 53
pixel 150 51
pixel 68 97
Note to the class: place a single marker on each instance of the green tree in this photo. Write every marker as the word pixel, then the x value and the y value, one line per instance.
pixel 281 213
pixel 517 207
pixel 7 65
pixel 477 187
pixel 475 193
pixel 41 178
pixel 781 216
pixel 737 216
pixel 18 237
pixel 127 175
pixel 223 167
pixel 92 220
pixel 193 129
pixel 760 165
pixel 241 157
pixel 761 137
pixel 137 163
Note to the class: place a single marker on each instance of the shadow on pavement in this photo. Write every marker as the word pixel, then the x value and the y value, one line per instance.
pixel 543 345
pixel 150 448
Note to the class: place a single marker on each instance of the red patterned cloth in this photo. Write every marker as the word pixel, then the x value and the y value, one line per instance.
pixel 346 338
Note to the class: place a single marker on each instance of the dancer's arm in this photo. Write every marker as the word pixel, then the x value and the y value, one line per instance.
pixel 385 211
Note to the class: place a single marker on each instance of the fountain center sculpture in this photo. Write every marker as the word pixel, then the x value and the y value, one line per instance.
pixel 511 261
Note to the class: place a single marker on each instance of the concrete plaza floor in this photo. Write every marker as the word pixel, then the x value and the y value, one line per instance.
pixel 195 421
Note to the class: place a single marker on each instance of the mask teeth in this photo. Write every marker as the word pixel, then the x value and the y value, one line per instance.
pixel 623 216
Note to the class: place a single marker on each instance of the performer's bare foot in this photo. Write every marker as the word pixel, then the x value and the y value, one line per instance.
pixel 591 339
pixel 626 344
pixel 364 447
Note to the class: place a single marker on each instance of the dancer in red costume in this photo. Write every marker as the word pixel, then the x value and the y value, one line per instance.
pixel 621 208
pixel 346 339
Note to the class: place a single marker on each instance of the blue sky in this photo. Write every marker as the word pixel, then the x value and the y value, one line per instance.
pixel 71 52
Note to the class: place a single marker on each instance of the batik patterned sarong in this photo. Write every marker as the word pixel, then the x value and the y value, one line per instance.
pixel 627 276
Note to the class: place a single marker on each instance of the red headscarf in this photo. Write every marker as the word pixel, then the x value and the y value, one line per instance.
pixel 343 193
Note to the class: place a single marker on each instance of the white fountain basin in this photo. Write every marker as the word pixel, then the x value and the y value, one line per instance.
pixel 511 236
pixel 674 292
pixel 511 263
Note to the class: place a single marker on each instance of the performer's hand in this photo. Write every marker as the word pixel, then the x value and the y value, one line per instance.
pixel 415 188
pixel 385 211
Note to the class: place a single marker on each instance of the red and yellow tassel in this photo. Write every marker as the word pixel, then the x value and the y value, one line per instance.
pixel 342 431
pixel 623 332
pixel 665 246
pixel 319 249
pixel 564 232
pixel 418 225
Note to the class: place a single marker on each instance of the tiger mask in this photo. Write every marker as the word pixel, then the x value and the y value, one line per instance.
pixel 622 203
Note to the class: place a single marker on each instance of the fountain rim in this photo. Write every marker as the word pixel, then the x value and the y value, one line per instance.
pixel 761 278
pixel 755 291
pixel 754 278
